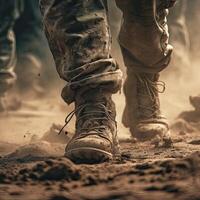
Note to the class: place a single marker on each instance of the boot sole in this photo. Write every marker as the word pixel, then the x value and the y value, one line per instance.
pixel 88 155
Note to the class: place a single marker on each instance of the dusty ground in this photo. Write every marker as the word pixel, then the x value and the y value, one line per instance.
pixel 32 167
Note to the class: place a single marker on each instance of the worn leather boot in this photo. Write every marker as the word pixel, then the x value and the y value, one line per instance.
pixel 95 139
pixel 142 112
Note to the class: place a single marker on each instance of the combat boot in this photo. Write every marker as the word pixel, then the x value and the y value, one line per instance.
pixel 95 139
pixel 142 112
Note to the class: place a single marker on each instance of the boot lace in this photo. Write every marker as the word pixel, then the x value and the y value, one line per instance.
pixel 148 90
pixel 91 121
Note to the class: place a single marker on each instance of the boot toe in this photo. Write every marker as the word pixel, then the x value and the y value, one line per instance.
pixel 149 131
pixel 89 149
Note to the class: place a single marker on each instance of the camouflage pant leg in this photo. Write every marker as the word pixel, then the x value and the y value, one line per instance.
pixel 79 39
pixel 31 44
pixel 9 11
pixel 28 30
pixel 144 35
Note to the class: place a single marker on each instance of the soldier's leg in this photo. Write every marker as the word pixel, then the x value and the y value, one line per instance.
pixel 8 14
pixel 31 48
pixel 80 42
pixel 146 51
pixel 179 38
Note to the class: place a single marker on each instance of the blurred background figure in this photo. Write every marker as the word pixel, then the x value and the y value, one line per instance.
pixel 179 37
pixel 23 46
pixel 193 22
pixel 9 12
pixel 31 49
pixel 184 21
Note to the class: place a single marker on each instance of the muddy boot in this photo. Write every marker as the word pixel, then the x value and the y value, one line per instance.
pixel 142 113
pixel 95 139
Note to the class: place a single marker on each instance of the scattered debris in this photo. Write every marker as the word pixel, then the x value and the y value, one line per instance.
pixel 53 135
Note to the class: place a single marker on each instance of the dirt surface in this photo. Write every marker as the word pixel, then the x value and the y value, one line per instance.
pixel 143 173
pixel 32 166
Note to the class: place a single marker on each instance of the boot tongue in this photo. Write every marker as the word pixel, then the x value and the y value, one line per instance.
pixel 86 95
pixel 92 96
pixel 148 100
pixel 95 109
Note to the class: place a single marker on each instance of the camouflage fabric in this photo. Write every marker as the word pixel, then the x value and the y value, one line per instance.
pixel 80 41
pixel 21 38
pixel 31 46
pixel 28 30
pixel 9 12
pixel 144 35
